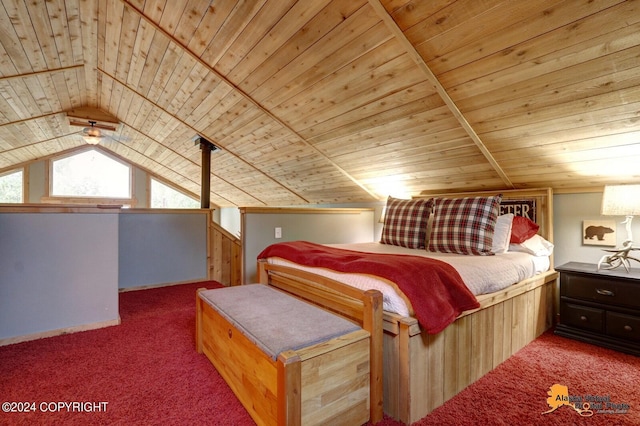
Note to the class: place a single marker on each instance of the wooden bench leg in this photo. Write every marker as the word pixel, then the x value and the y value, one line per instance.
pixel 289 389
pixel 199 303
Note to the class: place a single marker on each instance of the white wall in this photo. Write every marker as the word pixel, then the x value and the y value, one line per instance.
pixel 159 247
pixel 62 271
pixel 229 219
pixel 140 188
pixel 57 271
pixel 324 228
pixel 569 211
pixel 37 181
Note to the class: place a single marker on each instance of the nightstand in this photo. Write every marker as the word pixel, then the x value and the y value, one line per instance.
pixel 600 307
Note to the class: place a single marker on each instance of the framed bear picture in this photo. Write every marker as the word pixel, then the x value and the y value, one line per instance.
pixel 599 232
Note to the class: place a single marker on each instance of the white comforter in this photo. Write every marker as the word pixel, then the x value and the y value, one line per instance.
pixel 481 274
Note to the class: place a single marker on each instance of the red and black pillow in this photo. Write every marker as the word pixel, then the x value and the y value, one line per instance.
pixel 464 225
pixel 405 222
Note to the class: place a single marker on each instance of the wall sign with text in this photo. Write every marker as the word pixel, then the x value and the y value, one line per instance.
pixel 525 208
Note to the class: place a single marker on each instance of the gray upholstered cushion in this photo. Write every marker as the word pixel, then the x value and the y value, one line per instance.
pixel 274 321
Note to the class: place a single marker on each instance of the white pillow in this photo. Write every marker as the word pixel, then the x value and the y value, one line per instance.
pixel 502 233
pixel 535 245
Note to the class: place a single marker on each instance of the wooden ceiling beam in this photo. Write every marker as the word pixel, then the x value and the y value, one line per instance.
pixel 37 73
pixel 25 120
pixel 86 116
pixel 413 53
pixel 195 132
pixel 247 97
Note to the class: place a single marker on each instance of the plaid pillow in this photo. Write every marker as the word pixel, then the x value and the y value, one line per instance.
pixel 464 225
pixel 405 222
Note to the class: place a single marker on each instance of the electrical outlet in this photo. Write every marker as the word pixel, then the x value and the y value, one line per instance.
pixel 278 232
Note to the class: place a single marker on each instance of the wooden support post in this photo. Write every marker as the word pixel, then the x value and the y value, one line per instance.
pixel 205 183
pixel 372 321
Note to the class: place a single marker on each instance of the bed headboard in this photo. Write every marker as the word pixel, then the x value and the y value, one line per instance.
pixel 543 198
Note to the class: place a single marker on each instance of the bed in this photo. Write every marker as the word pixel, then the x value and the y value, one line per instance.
pixel 424 369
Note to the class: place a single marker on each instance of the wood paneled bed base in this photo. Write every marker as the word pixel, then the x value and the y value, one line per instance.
pixel 423 371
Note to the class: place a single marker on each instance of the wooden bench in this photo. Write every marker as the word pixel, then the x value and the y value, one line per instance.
pixel 292 363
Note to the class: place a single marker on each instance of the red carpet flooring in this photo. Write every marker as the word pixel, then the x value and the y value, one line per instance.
pixel 146 369
pixel 515 393
pixel 146 372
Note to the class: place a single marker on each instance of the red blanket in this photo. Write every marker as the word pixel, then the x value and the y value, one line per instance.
pixel 434 288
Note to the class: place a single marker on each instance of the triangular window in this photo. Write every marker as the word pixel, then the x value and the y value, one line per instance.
pixel 164 196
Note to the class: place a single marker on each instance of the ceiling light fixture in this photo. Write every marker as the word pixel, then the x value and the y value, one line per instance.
pixel 92 134
pixel 91 140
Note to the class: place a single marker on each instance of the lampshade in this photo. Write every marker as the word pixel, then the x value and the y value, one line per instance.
pixel 91 140
pixel 621 200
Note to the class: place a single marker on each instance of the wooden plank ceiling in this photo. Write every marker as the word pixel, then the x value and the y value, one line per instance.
pixel 331 101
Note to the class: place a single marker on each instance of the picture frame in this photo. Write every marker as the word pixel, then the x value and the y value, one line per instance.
pixel 599 233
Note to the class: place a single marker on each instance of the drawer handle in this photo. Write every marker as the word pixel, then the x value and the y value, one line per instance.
pixel 605 292
pixel 628 328
pixel 583 318
pixel 230 333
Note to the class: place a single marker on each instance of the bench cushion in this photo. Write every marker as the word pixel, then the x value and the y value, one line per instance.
pixel 274 321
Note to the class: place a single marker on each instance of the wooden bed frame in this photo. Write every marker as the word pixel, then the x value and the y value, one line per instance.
pixel 422 371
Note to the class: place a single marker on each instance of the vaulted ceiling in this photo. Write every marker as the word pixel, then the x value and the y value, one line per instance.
pixel 331 101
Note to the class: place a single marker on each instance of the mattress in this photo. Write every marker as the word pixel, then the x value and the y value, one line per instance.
pixel 481 274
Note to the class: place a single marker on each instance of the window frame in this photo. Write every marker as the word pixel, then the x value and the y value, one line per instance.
pixel 151 178
pixel 92 200
pixel 24 181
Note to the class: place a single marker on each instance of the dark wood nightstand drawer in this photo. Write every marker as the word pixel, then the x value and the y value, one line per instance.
pixel 623 326
pixel 582 316
pixel 600 290
pixel 600 307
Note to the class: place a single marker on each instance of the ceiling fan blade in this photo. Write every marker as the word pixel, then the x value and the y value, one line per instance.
pixel 116 139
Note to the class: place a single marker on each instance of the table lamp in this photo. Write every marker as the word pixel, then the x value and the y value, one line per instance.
pixel 621 200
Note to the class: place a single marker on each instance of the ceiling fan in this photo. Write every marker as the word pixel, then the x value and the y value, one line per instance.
pixel 95 133
pixel 92 135
pixel 97 125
